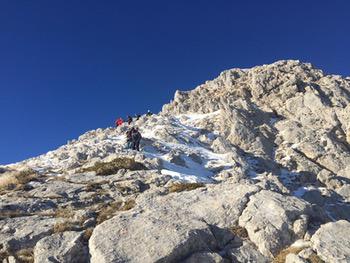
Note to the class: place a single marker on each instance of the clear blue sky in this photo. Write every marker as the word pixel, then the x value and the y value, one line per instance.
pixel 70 66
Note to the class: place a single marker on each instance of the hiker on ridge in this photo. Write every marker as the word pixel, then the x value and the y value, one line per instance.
pixel 119 122
pixel 136 138
pixel 129 120
pixel 149 113
pixel 137 116
pixel 129 142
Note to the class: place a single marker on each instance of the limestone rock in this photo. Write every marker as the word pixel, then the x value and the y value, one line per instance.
pixel 332 242
pixel 292 258
pixel 24 232
pixel 63 247
pixel 206 257
pixel 247 252
pixel 269 219
pixel 182 223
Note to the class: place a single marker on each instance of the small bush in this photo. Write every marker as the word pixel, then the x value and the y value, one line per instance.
pixel 26 176
pixel 4 255
pixel 87 234
pixel 129 204
pixel 60 227
pixel 25 255
pixel 16 179
pixel 107 211
pixel 239 231
pixel 66 212
pixel 12 214
pixel 92 187
pixel 180 187
pixel 314 259
pixel 281 256
pixel 114 166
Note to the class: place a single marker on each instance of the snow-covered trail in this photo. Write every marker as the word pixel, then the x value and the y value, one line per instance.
pixel 175 141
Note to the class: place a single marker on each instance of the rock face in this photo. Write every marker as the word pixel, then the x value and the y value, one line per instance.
pixel 271 220
pixel 184 224
pixel 23 232
pixel 332 241
pixel 236 170
pixel 61 247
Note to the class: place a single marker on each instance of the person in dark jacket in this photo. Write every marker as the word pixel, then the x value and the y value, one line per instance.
pixel 129 120
pixel 129 141
pixel 136 139
pixel 137 116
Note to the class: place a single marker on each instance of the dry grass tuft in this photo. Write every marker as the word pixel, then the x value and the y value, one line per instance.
pixel 25 255
pixel 239 231
pixel 180 187
pixel 87 234
pixel 281 256
pixel 16 179
pixel 129 204
pixel 315 259
pixel 13 214
pixel 66 212
pixel 64 226
pixel 114 166
pixel 4 255
pixel 93 186
pixel 107 211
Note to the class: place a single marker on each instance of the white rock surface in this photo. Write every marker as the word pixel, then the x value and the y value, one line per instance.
pixel 332 242
pixel 292 258
pixel 23 232
pixel 270 220
pixel 66 247
pixel 183 223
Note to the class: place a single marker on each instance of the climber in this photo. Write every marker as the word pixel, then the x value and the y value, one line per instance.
pixel 129 142
pixel 129 118
pixel 137 116
pixel 149 113
pixel 119 122
pixel 136 138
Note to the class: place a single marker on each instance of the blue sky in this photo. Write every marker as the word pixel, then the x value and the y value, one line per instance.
pixel 70 66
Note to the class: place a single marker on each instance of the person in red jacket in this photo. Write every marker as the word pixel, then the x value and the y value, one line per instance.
pixel 119 122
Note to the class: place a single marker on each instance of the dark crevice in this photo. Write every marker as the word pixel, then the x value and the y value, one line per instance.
pixel 312 160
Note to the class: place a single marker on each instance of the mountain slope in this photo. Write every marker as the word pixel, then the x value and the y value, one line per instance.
pixel 271 145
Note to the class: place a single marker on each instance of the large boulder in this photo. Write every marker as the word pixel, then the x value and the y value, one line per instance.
pixel 273 220
pixel 173 227
pixel 66 247
pixel 247 252
pixel 332 242
pixel 24 232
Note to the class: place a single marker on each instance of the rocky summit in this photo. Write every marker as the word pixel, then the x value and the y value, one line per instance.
pixel 253 166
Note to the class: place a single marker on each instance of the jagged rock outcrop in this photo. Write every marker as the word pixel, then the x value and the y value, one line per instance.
pixel 235 170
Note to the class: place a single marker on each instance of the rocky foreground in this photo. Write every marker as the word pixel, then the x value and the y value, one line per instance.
pixel 253 166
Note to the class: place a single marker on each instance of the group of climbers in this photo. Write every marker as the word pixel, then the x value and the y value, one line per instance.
pixel 133 139
pixel 133 135
pixel 130 119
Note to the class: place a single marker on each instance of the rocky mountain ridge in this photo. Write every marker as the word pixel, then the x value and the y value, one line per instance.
pixel 253 166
